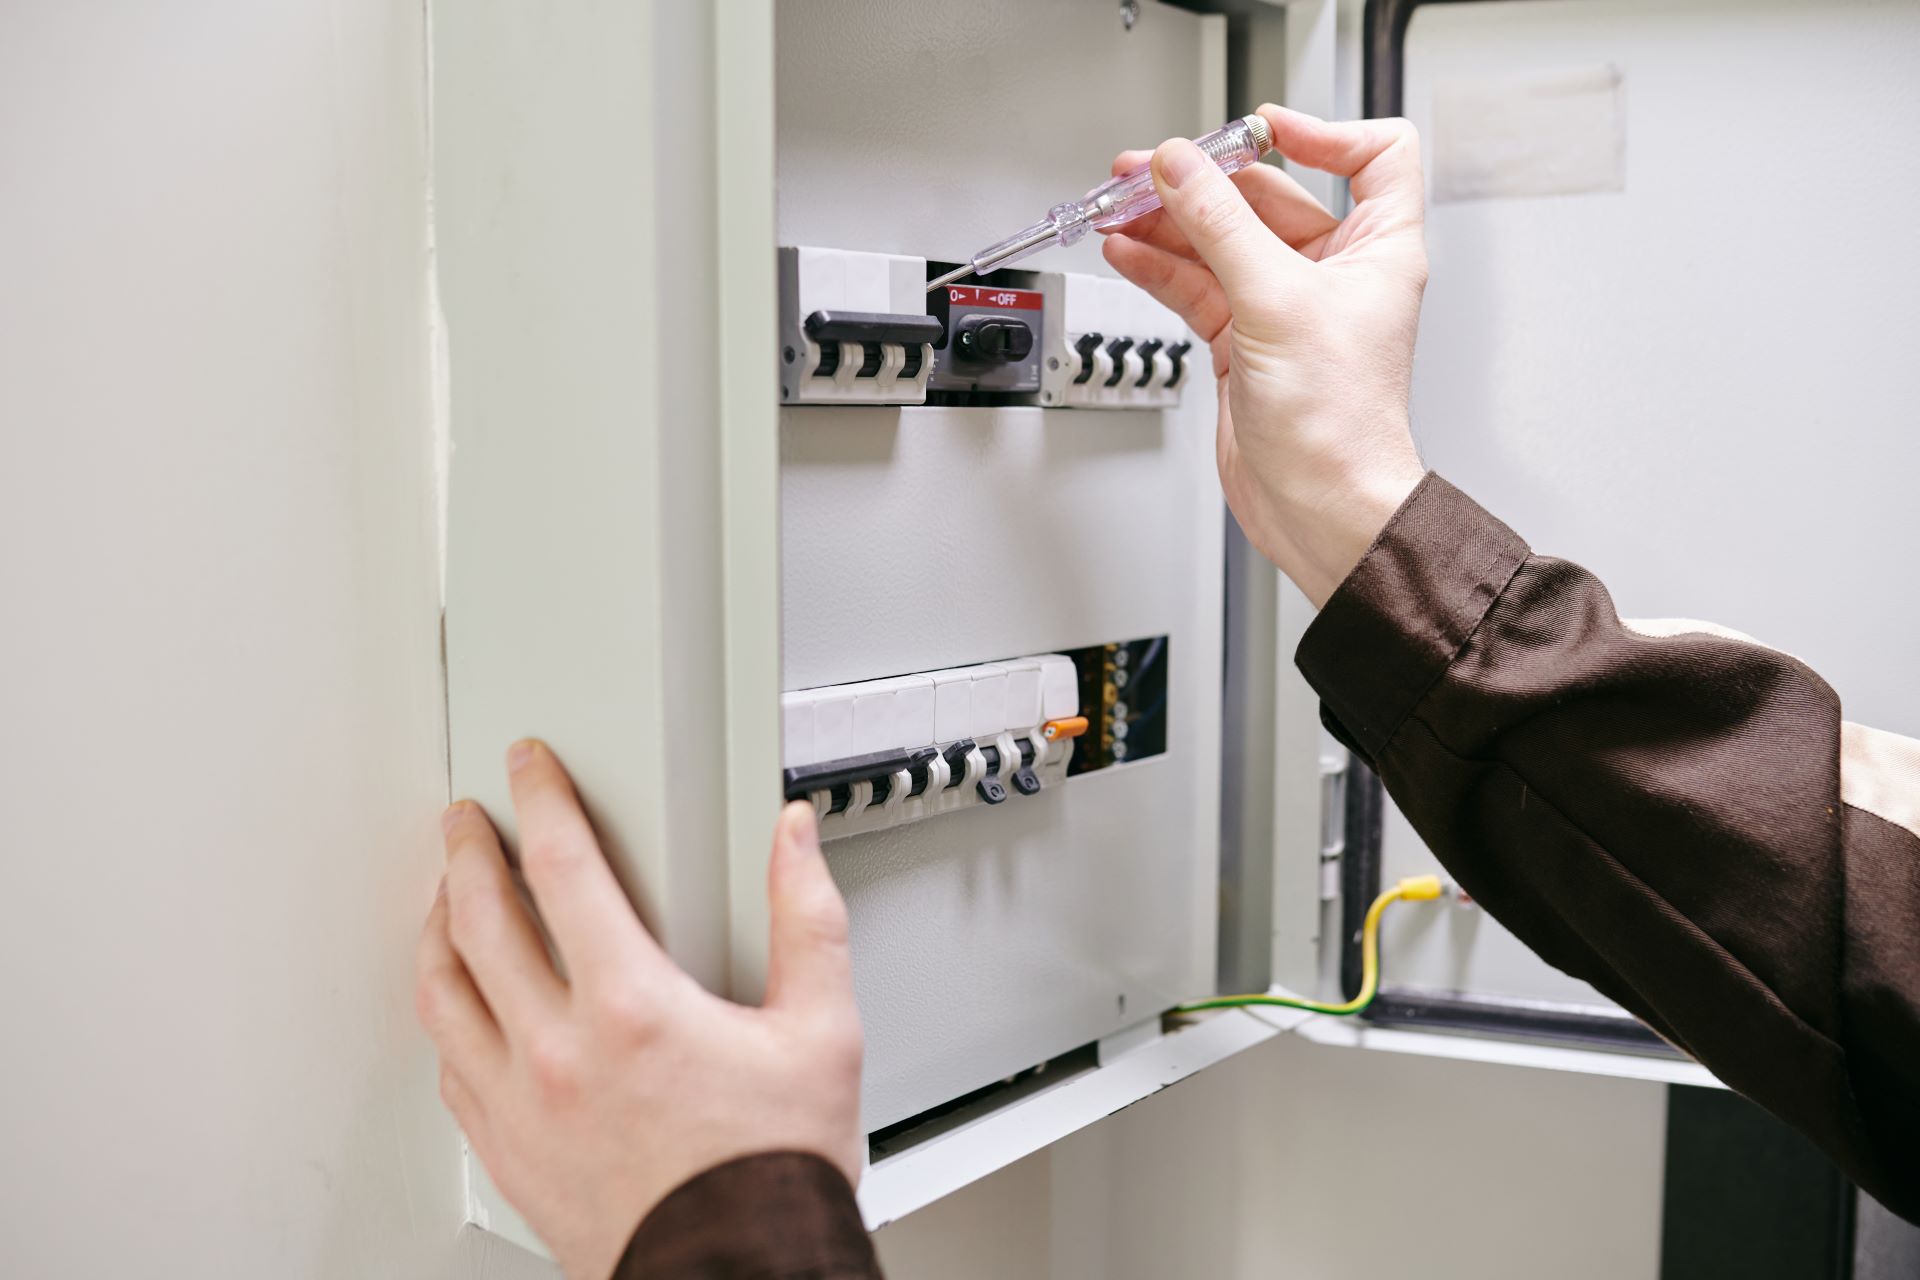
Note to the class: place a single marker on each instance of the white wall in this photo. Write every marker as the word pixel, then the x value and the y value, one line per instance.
pixel 1294 1159
pixel 219 682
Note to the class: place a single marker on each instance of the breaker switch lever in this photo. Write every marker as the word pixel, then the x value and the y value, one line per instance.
pixel 1118 349
pixel 1174 354
pixel 1065 727
pixel 869 326
pixel 1086 346
pixel 1147 351
pixel 956 757
pixel 920 769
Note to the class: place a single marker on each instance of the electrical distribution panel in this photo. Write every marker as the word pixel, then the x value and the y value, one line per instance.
pixel 999 647
pixel 951 535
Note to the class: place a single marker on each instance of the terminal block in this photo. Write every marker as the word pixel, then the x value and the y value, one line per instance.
pixel 1123 695
pixel 1110 346
pixel 884 752
pixel 854 328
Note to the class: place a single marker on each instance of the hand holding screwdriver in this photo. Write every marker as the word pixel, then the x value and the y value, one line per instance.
pixel 1115 202
pixel 1311 319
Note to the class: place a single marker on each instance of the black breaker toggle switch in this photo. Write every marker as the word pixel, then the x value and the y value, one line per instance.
pixel 838 777
pixel 1118 349
pixel 1174 355
pixel 1148 350
pixel 1086 346
pixel 956 754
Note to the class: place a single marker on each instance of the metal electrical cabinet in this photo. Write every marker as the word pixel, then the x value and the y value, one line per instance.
pixel 736 510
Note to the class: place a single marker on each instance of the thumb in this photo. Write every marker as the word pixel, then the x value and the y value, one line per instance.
pixel 1216 219
pixel 807 964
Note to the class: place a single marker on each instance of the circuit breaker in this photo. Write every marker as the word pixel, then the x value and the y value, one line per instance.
pixel 853 328
pixel 857 328
pixel 1111 346
pixel 882 752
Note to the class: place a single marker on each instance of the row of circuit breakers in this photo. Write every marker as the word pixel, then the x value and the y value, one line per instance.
pixel 883 752
pixel 860 328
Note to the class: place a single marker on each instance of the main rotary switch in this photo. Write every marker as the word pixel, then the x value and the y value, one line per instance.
pixel 988 337
pixel 992 340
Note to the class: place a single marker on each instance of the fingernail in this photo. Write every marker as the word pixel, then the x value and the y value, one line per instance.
pixel 1179 160
pixel 519 754
pixel 450 815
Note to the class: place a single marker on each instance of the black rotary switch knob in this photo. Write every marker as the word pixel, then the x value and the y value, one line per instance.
pixel 993 339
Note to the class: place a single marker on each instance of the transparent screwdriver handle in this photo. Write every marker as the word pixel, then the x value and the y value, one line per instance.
pixel 1125 198
pixel 1122 199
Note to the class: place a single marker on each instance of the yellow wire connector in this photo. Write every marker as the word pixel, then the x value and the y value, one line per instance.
pixel 1413 889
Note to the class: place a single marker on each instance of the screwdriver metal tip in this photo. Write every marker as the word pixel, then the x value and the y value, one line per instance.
pixel 950 277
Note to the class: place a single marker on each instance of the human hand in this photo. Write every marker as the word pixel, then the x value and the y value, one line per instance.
pixel 590 1096
pixel 1311 320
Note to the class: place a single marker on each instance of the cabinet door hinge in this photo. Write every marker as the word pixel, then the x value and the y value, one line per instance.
pixel 1333 823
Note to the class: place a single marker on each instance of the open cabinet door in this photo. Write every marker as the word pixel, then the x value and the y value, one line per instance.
pixel 733 514
pixel 1668 335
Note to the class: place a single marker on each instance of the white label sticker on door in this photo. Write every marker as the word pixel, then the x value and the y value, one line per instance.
pixel 1541 134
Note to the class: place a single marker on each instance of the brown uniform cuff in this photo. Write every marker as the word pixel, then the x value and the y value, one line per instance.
pixel 1395 624
pixel 777 1214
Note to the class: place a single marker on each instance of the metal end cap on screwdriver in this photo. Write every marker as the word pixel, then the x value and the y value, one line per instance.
pixel 1261 134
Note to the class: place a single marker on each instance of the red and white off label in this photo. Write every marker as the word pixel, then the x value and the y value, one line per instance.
pixel 979 295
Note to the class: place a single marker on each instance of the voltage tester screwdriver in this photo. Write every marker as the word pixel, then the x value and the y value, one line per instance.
pixel 1115 201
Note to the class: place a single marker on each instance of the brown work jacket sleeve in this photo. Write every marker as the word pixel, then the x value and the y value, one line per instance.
pixel 1669 811
pixel 780 1215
